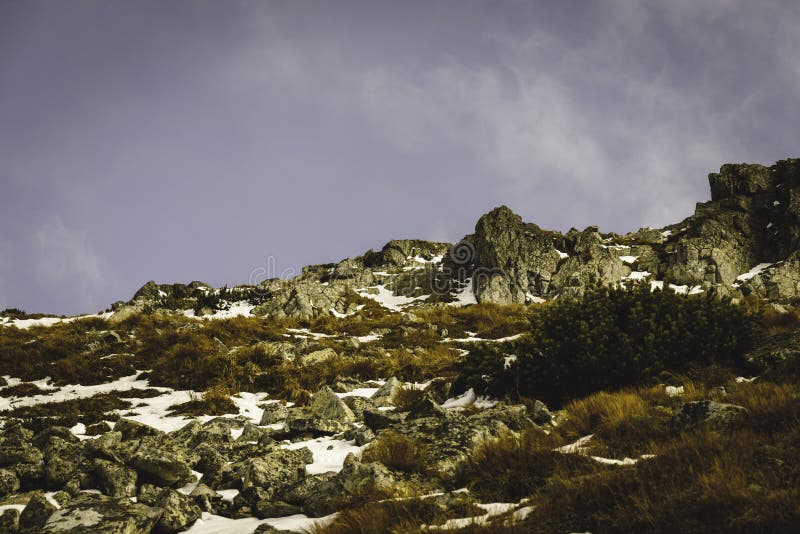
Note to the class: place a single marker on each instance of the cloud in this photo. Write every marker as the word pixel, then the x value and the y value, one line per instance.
pixel 63 256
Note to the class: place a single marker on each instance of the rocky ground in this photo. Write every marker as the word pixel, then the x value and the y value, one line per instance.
pixel 331 402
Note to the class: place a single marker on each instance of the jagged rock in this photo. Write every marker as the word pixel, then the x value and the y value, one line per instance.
pixel 9 521
pixel 540 414
pixel 327 414
pixel 250 432
pixel 165 466
pixel 317 357
pixel 115 480
pixel 63 460
pixel 358 404
pixel 91 513
pixel 131 429
pixel 35 514
pixel 779 283
pixel 98 428
pixel 108 446
pixel 274 413
pixel 205 498
pixel 377 420
pixel 9 482
pixel 425 407
pixel 20 455
pixel 277 471
pixel 386 393
pixel 42 438
pixel 361 436
pixel 179 512
pixel 716 414
pixel 511 258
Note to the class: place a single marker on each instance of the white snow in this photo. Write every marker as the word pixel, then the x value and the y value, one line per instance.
pixel 673 391
pixel 305 332
pixel 637 275
pixel 368 338
pixel 752 272
pixel 388 299
pixel 578 447
pixel 629 259
pixel 24 324
pixel 465 399
pixel 466 295
pixel 776 202
pixel 359 392
pixel 743 380
pixel 214 524
pixel 534 299
pixel 562 255
pixel 329 453
pixel 508 360
pixel 236 309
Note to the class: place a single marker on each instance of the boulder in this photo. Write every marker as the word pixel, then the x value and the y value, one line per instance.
pixel 35 514
pixel 386 393
pixel 317 357
pixel 716 414
pixel 90 513
pixel 275 412
pixel 277 471
pixel 9 521
pixel 9 482
pixel 115 480
pixel 179 512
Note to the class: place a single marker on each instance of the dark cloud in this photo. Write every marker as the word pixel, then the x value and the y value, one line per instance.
pixel 193 140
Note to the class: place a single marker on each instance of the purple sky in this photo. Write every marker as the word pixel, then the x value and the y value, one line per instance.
pixel 175 141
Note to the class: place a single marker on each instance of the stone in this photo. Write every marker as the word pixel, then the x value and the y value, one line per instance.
pixel 90 513
pixel 131 429
pixel 9 482
pixel 317 357
pixel 386 393
pixel 275 412
pixel 35 514
pixel 540 414
pixel 9 521
pixel 115 480
pixel 179 512
pixel 327 405
pixel 358 405
pixel 425 407
pixel 277 471
pixel 716 414
pixel 161 466
pixel 377 420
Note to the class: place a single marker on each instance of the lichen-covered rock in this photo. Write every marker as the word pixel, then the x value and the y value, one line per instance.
pixel 716 414
pixel 277 471
pixel 9 521
pixel 131 429
pixel 9 482
pixel 317 357
pixel 274 412
pixel 179 512
pixel 386 393
pixel 35 514
pixel 115 480
pixel 63 460
pixel 327 405
pixel 91 513
pixel 164 465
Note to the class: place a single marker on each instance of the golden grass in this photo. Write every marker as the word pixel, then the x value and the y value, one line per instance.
pixel 397 451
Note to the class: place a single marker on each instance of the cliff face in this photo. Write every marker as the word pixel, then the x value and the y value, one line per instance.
pixel 753 220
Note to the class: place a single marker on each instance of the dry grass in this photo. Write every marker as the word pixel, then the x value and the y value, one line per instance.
pixel 215 401
pixel 396 451
pixel 511 467
pixel 407 396
pixel 491 321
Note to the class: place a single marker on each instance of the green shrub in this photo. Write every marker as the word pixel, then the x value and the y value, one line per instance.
pixel 611 338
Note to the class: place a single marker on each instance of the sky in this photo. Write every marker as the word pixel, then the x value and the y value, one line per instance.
pixel 198 140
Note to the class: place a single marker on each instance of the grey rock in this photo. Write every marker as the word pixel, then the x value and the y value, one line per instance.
pixel 377 420
pixel 35 514
pixel 9 521
pixel 115 480
pixel 425 407
pixel 540 414
pixel 90 513
pixel 131 429
pixel 358 404
pixel 716 414
pixel 275 472
pixel 275 412
pixel 386 393
pixel 327 405
pixel 316 357
pixel 179 512
pixel 9 482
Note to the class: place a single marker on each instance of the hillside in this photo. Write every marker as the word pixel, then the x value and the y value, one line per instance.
pixel 520 380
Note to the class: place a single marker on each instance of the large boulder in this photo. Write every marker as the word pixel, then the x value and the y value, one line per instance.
pixel 90 513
